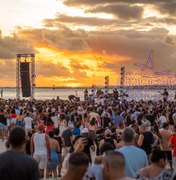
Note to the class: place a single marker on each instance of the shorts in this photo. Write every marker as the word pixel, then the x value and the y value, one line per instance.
pixel 3 127
pixel 65 151
pixel 42 160
pixel 168 155
pixel 8 122
pixel 13 121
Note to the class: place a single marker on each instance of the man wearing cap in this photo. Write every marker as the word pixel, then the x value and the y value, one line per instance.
pixel 108 139
pixel 40 148
pixel 68 137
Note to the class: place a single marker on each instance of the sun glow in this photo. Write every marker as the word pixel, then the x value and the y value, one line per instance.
pixel 80 65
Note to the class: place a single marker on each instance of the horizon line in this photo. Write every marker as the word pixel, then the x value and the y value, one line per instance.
pixel 96 86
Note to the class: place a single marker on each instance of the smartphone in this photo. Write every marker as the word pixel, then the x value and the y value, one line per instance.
pixel 85 140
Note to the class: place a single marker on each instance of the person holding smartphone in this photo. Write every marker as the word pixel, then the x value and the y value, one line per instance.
pixel 89 144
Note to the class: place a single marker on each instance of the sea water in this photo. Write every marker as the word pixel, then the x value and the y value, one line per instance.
pixel 63 93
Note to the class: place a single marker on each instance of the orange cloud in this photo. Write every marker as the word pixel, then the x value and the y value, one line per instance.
pixel 66 57
pixel 75 68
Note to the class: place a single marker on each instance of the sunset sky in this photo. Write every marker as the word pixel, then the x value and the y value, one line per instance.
pixel 79 42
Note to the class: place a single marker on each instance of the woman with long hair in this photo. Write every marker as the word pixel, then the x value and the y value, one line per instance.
pixel 53 162
pixel 93 128
pixel 20 119
pixel 49 123
pixel 60 140
pixel 13 118
pixel 155 130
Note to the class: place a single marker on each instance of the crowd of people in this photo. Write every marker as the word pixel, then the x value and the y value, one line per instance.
pixel 75 140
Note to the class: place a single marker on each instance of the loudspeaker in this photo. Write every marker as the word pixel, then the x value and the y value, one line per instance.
pixel 25 79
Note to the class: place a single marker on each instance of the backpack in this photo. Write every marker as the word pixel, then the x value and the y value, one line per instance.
pixel 97 142
pixel 109 140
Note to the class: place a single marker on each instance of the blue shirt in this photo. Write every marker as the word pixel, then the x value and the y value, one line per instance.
pixel 135 159
pixel 117 119
pixel 76 131
pixel 97 172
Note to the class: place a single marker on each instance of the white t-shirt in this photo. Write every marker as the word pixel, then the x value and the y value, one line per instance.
pixel 55 120
pixel 162 120
pixel 40 144
pixel 28 122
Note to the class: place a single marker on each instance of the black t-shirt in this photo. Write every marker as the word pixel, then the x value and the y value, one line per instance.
pixel 66 135
pixel 97 142
pixel 3 120
pixel 28 149
pixel 166 93
pixel 151 118
pixel 171 119
pixel 147 142
pixel 110 141
pixel 18 166
pixel 106 121
pixel 87 147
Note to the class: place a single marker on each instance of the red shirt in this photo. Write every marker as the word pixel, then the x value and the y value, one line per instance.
pixel 173 141
pixel 13 115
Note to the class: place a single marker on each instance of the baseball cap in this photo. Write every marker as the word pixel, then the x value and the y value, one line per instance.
pixel 41 127
pixel 108 132
pixel 85 130
pixel 71 125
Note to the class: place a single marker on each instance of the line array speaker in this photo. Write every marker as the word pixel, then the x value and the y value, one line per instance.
pixel 25 79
